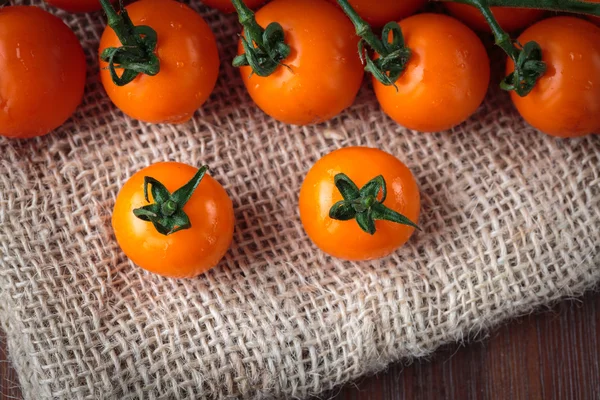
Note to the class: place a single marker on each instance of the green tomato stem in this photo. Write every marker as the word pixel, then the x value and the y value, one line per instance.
pixel 393 55
pixel 264 49
pixel 363 205
pixel 166 213
pixel 571 6
pixel 136 55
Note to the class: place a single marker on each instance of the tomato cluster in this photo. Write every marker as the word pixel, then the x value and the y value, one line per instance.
pixel 298 59
pixel 315 70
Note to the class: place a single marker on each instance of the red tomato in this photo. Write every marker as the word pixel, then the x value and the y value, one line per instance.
pixel 344 238
pixel 42 72
pixel 227 7
pixel 189 64
pixel 185 253
pixel 510 19
pixel 445 80
pixel 565 101
pixel 380 12
pixel 323 73
pixel 77 6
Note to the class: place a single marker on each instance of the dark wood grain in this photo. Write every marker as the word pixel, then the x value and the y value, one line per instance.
pixel 548 355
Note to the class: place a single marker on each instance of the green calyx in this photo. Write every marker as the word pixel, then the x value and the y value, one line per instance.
pixel 137 53
pixel 527 59
pixel 166 213
pixel 529 67
pixel 393 55
pixel 264 49
pixel 363 204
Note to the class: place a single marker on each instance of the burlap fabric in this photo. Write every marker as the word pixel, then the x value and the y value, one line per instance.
pixel 510 218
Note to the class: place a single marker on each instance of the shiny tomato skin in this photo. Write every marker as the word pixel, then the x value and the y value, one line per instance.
pixel 379 13
pixel 345 239
pixel 186 253
pixel 227 7
pixel 566 100
pixel 445 80
pixel 42 72
pixel 77 6
pixel 189 64
pixel 323 73
pixel 510 19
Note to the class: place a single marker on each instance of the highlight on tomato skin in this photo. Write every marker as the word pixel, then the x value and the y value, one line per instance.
pixel 189 64
pixel 380 12
pixel 35 96
pixel 510 19
pixel 446 77
pixel 225 6
pixel 566 100
pixel 323 72
pixel 187 252
pixel 346 239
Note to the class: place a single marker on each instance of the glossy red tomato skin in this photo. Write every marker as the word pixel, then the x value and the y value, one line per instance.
pixel 445 80
pixel 345 239
pixel 78 6
pixel 510 19
pixel 227 7
pixel 42 72
pixel 566 100
pixel 189 64
pixel 323 73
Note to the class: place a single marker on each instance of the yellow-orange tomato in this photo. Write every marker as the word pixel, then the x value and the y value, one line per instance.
pixel 510 19
pixel 380 12
pixel 77 6
pixel 189 64
pixel 227 7
pixel 565 102
pixel 345 239
pixel 42 72
pixel 445 80
pixel 323 73
pixel 185 253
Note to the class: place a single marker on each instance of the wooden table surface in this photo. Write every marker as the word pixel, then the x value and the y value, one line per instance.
pixel 552 354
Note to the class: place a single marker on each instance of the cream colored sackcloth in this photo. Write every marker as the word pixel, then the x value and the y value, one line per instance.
pixel 510 218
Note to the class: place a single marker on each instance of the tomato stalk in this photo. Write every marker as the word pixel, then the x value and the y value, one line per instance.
pixel 137 53
pixel 264 49
pixel 363 204
pixel 571 6
pixel 393 56
pixel 527 58
pixel 166 213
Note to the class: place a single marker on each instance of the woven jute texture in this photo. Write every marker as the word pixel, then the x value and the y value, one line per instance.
pixel 510 218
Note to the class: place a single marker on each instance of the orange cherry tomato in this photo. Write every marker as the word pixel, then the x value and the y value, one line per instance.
pixel 77 6
pixel 227 7
pixel 42 72
pixel 379 13
pixel 565 102
pixel 344 238
pixel 189 64
pixel 323 73
pixel 445 80
pixel 510 19
pixel 187 252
